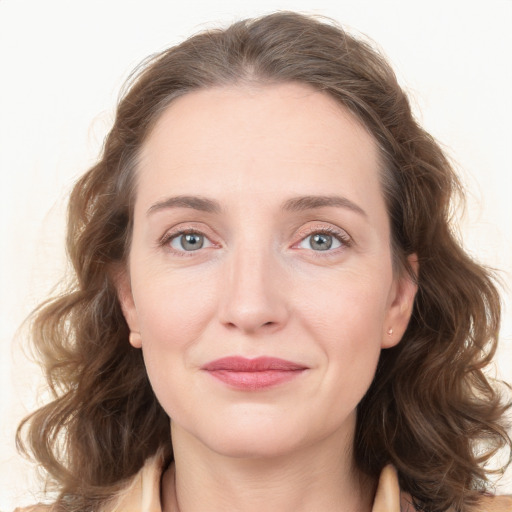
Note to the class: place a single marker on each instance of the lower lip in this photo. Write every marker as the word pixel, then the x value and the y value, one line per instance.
pixel 251 381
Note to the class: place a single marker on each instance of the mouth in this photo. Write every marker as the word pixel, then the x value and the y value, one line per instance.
pixel 253 374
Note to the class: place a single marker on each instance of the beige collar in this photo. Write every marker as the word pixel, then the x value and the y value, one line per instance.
pixel 143 494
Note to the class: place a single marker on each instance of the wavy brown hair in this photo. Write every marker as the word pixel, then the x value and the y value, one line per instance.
pixel 431 410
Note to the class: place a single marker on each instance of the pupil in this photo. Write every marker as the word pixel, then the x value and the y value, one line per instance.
pixel 192 242
pixel 321 242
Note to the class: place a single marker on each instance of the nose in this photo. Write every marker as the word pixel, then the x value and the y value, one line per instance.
pixel 254 298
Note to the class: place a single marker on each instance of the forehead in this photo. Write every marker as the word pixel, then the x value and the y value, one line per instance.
pixel 287 137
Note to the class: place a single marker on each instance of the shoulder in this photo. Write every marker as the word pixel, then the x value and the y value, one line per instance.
pixel 141 494
pixel 496 504
pixel 389 481
pixel 487 504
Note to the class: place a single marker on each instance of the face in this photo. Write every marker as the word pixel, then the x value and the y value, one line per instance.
pixel 260 274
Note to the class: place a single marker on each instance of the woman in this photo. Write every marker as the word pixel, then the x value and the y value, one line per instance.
pixel 270 309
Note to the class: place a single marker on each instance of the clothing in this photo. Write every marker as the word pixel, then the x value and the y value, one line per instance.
pixel 143 494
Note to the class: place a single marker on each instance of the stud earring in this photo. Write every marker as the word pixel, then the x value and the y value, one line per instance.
pixel 135 339
pixel 390 331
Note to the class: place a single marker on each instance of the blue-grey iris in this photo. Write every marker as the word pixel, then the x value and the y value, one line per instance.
pixel 321 242
pixel 192 241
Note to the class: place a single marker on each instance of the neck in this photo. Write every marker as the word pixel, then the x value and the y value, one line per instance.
pixel 319 477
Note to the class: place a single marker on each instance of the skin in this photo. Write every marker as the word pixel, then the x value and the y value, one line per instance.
pixel 259 287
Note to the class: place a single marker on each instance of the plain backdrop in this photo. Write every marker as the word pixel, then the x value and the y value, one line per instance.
pixel 62 64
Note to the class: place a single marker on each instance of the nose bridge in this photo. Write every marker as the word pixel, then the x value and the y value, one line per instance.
pixel 251 270
pixel 252 297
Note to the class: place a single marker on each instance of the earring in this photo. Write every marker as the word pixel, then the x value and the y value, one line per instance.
pixel 390 331
pixel 135 339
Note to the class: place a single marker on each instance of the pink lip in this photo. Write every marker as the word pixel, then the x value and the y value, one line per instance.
pixel 253 374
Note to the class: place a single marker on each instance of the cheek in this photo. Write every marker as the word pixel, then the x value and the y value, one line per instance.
pixel 347 324
pixel 172 307
pixel 173 311
pixel 350 307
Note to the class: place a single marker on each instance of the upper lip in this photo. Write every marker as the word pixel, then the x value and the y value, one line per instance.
pixel 259 364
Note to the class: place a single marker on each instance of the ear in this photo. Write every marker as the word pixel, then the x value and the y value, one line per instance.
pixel 401 304
pixel 124 294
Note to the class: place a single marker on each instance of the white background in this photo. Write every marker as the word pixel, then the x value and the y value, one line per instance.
pixel 62 64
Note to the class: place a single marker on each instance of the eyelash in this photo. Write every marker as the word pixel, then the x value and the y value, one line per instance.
pixel 339 235
pixel 168 237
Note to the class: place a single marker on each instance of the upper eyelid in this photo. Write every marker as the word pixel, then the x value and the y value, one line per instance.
pixel 320 229
pixel 323 227
pixel 187 227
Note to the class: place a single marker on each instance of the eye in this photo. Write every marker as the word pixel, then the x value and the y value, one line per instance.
pixel 324 239
pixel 320 242
pixel 188 241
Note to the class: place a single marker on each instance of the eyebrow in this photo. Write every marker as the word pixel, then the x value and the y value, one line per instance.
pixel 195 202
pixel 298 204
pixel 295 204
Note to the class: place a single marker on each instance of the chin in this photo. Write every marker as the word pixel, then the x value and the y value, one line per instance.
pixel 242 436
pixel 254 445
pixel 262 436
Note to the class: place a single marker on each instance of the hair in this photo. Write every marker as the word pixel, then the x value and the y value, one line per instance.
pixel 431 411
